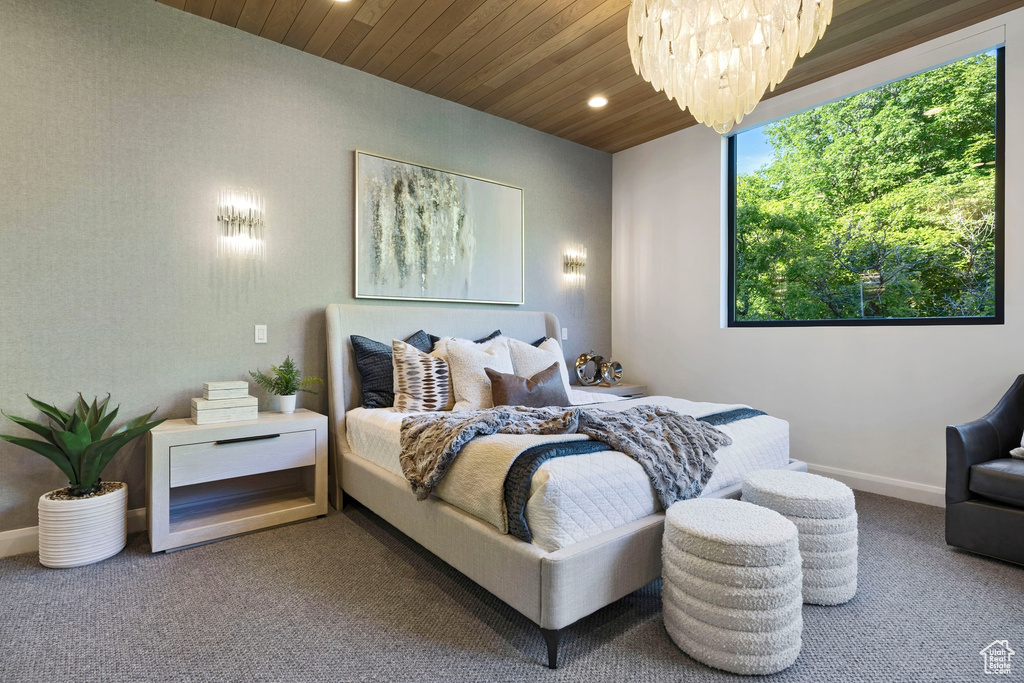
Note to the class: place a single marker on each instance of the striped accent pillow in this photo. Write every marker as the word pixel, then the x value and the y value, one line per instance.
pixel 421 380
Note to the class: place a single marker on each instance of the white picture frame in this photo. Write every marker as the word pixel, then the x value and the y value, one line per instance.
pixel 427 234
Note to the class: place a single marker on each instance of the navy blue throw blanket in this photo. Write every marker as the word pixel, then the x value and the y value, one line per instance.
pixel 520 474
pixel 728 416
pixel 517 481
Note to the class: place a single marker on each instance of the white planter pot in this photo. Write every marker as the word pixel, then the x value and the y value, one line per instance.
pixel 76 532
pixel 286 404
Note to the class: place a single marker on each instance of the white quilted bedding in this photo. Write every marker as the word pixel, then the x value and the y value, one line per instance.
pixel 575 497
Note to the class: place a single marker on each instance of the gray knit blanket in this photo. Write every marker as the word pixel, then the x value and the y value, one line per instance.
pixel 676 451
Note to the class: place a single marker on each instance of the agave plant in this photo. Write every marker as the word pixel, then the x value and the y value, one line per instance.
pixel 285 379
pixel 74 441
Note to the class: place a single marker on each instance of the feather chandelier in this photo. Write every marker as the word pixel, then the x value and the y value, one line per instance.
pixel 717 57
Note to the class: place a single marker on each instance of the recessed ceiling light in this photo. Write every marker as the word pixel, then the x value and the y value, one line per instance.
pixel 597 101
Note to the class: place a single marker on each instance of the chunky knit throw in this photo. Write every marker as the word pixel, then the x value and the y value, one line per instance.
pixel 677 451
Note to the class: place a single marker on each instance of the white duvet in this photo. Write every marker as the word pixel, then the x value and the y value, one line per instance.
pixel 575 497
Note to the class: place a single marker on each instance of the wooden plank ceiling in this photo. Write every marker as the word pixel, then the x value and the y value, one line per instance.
pixel 537 62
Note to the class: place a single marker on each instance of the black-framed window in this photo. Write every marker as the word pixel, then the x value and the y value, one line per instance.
pixel 882 208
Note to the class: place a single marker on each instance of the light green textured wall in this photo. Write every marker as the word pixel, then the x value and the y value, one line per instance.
pixel 119 122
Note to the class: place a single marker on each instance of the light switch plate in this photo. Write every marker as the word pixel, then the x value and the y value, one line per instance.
pixel 261 334
pixel 565 334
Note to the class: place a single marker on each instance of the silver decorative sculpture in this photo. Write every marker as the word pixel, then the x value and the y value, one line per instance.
pixel 603 372
pixel 611 372
pixel 588 376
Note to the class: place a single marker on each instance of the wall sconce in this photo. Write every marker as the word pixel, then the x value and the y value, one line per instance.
pixel 574 264
pixel 240 215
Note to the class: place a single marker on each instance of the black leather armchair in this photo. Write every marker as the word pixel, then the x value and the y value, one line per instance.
pixel 984 486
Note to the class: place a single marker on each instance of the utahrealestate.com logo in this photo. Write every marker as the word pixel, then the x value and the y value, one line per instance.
pixel 997 656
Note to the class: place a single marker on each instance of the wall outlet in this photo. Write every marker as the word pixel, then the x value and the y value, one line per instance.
pixel 261 334
pixel 565 334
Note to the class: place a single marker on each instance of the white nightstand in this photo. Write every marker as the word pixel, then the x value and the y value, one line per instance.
pixel 208 482
pixel 624 390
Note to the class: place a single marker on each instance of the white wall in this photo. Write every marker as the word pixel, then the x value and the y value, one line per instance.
pixel 867 404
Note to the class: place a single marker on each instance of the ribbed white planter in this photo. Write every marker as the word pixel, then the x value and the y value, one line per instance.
pixel 286 404
pixel 73 533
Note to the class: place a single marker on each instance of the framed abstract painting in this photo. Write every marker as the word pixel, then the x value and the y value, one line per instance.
pixel 432 235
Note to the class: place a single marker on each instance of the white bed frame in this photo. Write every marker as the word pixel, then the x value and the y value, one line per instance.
pixel 551 589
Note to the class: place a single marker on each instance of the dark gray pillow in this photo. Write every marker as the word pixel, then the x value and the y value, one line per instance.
pixel 543 389
pixel 497 333
pixel 376 367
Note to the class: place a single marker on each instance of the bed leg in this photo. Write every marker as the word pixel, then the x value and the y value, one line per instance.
pixel 552 637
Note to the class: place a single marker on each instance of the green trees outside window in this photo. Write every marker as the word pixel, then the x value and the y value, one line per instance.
pixel 878 207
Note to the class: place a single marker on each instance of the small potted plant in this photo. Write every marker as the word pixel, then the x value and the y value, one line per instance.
pixel 86 521
pixel 285 381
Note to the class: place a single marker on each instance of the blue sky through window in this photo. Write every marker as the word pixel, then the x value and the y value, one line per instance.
pixel 752 150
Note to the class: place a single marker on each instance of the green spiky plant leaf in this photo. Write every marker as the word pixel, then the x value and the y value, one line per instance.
pixel 74 440
pixel 285 379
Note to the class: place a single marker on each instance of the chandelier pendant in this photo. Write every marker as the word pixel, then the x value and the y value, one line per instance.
pixel 718 57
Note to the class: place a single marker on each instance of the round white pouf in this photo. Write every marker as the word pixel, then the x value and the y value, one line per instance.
pixel 732 585
pixel 824 513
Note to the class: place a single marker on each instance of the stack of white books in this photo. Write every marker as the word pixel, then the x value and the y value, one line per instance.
pixel 224 402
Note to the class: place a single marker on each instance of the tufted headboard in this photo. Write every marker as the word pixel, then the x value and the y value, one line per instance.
pixel 385 323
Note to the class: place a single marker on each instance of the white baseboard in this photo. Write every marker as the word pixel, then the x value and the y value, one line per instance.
pixel 136 520
pixel 886 486
pixel 19 541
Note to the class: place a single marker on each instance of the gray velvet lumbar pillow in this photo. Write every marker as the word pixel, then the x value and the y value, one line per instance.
pixel 543 389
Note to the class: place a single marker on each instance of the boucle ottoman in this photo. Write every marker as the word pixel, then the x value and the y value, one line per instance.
pixel 824 513
pixel 732 585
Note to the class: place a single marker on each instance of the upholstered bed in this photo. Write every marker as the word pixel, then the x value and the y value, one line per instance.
pixel 553 588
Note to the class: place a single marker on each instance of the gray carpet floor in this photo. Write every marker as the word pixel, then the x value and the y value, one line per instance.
pixel 349 598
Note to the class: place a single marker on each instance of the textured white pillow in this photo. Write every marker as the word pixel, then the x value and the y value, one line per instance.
pixel 467 361
pixel 440 350
pixel 421 380
pixel 528 360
